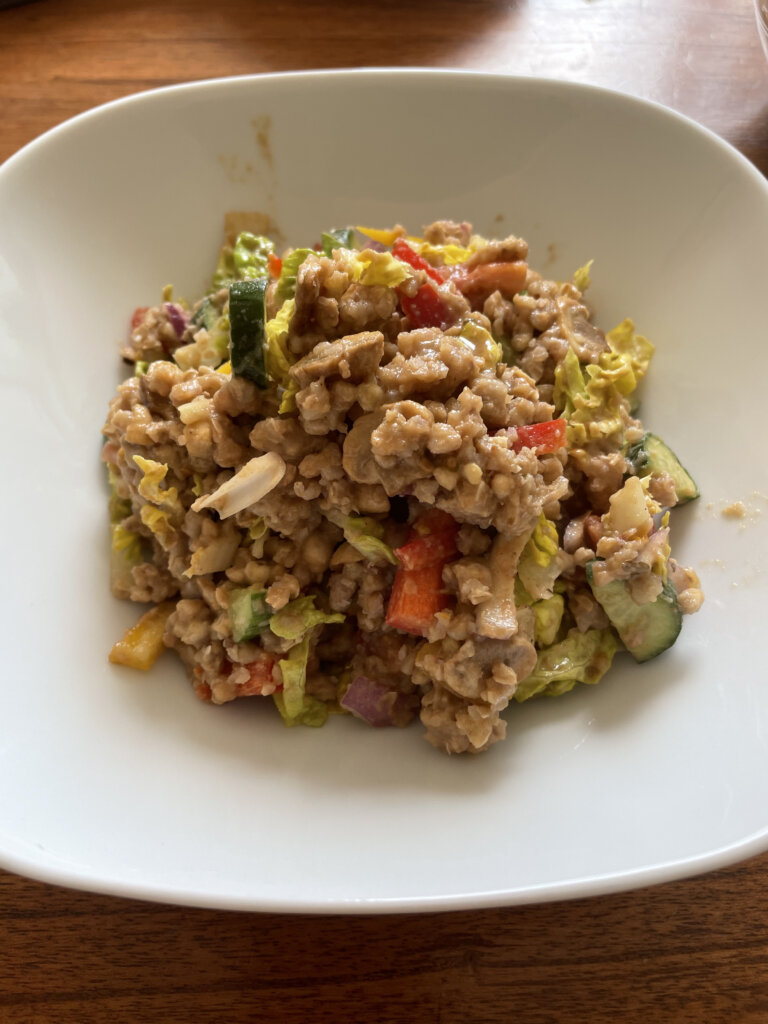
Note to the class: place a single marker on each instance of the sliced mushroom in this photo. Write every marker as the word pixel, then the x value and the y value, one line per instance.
pixel 357 454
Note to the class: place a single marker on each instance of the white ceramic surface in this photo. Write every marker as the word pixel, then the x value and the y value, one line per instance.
pixel 126 784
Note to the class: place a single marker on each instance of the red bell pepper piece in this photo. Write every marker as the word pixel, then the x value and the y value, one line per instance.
pixel 425 308
pixel 542 437
pixel 404 252
pixel 432 540
pixel 275 265
pixel 416 598
pixel 484 279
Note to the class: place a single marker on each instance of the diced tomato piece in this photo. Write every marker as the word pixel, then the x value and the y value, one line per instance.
pixel 261 675
pixel 426 308
pixel 484 279
pixel 138 316
pixel 542 437
pixel 417 596
pixel 404 252
pixel 275 265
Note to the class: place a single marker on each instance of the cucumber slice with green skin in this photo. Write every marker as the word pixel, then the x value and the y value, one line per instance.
pixel 651 455
pixel 645 629
pixel 247 318
pixel 206 315
pixel 248 613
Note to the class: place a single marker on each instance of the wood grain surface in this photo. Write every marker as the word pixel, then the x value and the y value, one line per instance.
pixel 691 951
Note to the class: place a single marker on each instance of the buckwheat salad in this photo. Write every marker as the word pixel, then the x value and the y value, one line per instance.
pixel 393 477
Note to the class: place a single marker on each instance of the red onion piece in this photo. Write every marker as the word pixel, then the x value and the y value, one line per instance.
pixel 177 317
pixel 375 703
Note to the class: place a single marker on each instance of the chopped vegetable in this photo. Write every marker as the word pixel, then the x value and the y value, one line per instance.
pixel 249 485
pixel 539 565
pixel 142 643
pixel 246 260
pixel 404 252
pixel 372 701
pixel 248 612
pixel 426 308
pixel 581 277
pixel 417 596
pixel 482 280
pixel 645 629
pixel 579 658
pixel 370 268
pixel 544 438
pixel 247 315
pixel 289 274
pixel 430 548
pixel 298 617
pixel 261 677
pixel 336 238
pixel 650 455
pixel 364 534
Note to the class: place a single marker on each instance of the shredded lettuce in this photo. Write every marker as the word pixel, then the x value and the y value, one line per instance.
pixel 369 267
pixel 248 612
pixel 298 617
pixel 246 260
pixel 140 367
pixel 482 342
pixel 581 277
pixel 449 254
pixel 539 565
pixel 632 348
pixel 149 486
pixel 119 507
pixel 277 358
pixel 590 398
pixel 579 658
pixel 125 553
pixel 158 521
pixel 313 713
pixel 289 275
pixel 295 706
pixel 549 615
pixel 364 534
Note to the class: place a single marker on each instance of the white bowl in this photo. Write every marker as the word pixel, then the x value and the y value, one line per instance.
pixel 127 784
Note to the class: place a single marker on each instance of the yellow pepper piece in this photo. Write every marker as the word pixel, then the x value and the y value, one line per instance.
pixel 384 236
pixel 224 368
pixel 142 643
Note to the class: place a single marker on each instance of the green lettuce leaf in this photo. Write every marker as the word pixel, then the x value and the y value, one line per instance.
pixel 369 267
pixel 633 349
pixel 248 612
pixel 289 275
pixel 579 658
pixel 581 277
pixel 336 238
pixel 313 712
pixel 298 617
pixel 481 342
pixel 125 553
pixel 549 615
pixel 246 260
pixel 364 534
pixel 539 565
pixel 149 486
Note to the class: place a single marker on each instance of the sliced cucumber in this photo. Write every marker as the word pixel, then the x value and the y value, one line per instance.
pixel 651 455
pixel 247 317
pixel 645 629
pixel 206 315
pixel 248 613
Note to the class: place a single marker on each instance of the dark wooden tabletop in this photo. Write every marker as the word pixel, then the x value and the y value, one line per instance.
pixel 690 951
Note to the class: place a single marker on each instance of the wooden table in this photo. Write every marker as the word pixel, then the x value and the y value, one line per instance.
pixel 690 951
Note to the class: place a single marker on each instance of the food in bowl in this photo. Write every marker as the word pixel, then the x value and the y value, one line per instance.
pixel 392 476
